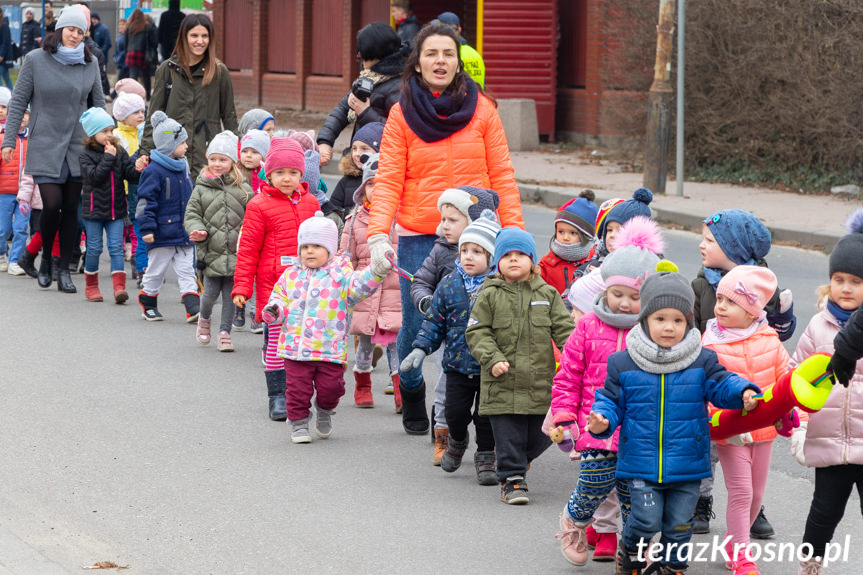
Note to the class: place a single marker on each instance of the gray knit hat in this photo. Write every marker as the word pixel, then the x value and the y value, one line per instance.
pixel 847 255
pixel 370 168
pixel 73 16
pixel 638 247
pixel 482 232
pixel 224 143
pixel 5 96
pixel 254 119
pixel 256 139
pixel 666 289
pixel 167 133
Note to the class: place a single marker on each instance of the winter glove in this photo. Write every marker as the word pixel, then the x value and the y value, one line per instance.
pixel 414 360
pixel 270 314
pixel 424 304
pixel 24 208
pixel 380 248
pixel 782 320
pixel 788 423
pixel 565 430
pixel 798 438
pixel 381 267
pixel 740 439
pixel 842 368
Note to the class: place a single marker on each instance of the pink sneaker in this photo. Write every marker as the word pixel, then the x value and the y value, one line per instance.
pixel 573 543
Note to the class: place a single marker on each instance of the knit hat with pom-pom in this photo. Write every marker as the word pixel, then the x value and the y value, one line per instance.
pixel 482 232
pixel 847 255
pixel 621 211
pixel 666 288
pixel 639 245
pixel 580 213
pixel 167 133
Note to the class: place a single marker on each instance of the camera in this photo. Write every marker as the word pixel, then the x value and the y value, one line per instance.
pixel 362 88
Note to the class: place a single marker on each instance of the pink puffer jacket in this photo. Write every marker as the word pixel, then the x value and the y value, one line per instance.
pixel 835 434
pixel 384 308
pixel 583 367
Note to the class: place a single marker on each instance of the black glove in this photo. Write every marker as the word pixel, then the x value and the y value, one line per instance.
pixel 842 368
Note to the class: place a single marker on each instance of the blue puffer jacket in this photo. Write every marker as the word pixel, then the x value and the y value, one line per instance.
pixel 162 198
pixel 447 319
pixel 664 434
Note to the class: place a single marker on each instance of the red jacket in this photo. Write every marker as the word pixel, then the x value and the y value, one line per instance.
pixel 268 238
pixel 10 172
pixel 558 273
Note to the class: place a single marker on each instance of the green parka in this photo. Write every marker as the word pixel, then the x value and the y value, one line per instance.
pixel 217 207
pixel 203 110
pixel 519 323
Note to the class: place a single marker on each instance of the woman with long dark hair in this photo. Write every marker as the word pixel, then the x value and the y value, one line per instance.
pixel 194 88
pixel 141 41
pixel 56 82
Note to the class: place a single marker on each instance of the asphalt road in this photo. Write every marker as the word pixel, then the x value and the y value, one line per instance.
pixel 127 441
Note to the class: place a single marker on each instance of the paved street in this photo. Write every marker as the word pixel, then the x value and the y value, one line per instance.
pixel 126 441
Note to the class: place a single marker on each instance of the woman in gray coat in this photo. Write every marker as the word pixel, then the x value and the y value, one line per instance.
pixel 59 83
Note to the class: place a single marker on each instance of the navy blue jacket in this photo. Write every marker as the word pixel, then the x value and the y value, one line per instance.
pixel 664 433
pixel 437 264
pixel 162 198
pixel 447 320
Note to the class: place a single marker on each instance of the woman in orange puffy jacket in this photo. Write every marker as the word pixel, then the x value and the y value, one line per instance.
pixel 443 133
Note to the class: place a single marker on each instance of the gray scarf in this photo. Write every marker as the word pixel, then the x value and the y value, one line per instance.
pixel 652 358
pixel 571 252
pixel 608 317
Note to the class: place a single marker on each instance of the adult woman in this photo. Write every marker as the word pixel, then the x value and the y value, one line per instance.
pixel 383 61
pixel 57 83
pixel 194 88
pixel 140 42
pixel 443 133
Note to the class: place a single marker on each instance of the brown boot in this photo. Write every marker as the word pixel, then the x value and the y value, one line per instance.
pixel 120 293
pixel 397 395
pixel 91 291
pixel 441 438
pixel 363 390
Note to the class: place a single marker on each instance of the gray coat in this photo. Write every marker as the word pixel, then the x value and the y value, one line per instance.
pixel 57 95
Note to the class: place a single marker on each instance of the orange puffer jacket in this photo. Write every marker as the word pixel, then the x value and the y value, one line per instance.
pixel 413 173
pixel 762 359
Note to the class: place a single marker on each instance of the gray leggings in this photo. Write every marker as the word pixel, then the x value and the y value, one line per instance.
pixel 213 287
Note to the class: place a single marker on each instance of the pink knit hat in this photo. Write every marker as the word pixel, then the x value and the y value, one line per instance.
pixel 130 86
pixel 319 230
pixel 285 153
pixel 305 139
pixel 750 287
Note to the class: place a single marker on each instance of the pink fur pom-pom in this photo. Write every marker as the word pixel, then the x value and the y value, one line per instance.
pixel 641 232
pixel 854 223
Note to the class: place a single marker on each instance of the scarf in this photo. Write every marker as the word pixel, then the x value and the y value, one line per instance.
pixel 69 56
pixel 436 118
pixel 169 163
pixel 840 314
pixel 652 358
pixel 472 283
pixel 376 79
pixel 716 334
pixel 714 275
pixel 613 319
pixel 129 135
pixel 571 252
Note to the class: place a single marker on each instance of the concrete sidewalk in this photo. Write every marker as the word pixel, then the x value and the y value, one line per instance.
pixel 19 558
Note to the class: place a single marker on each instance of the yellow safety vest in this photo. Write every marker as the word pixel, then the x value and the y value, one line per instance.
pixel 473 64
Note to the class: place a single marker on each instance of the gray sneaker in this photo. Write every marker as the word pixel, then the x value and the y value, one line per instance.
pixel 300 431
pixel 323 421
pixel 514 491
pixel 484 461
pixel 4 263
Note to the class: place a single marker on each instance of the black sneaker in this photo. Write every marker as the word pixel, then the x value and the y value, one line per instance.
pixel 152 314
pixel 761 528
pixel 514 491
pixel 703 515
pixel 239 317
pixel 627 561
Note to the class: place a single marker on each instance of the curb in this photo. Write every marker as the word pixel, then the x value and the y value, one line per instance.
pixel 19 558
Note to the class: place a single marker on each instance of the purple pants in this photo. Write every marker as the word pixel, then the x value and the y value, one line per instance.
pixel 305 378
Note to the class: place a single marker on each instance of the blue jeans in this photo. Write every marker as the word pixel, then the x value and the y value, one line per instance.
pixel 4 76
pixel 412 251
pixel 141 252
pixel 665 507
pixel 114 231
pixel 12 223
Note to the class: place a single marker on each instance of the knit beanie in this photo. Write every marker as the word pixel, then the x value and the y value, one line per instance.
pixel 225 143
pixel 513 239
pixel 284 153
pixel 130 86
pixel 167 133
pixel 750 287
pixel 86 10
pixel 370 169
pixel 254 119
pixel 127 104
pixel 370 135
pixel 95 120
pixel 847 255
pixel 5 96
pixel 482 232
pixel 306 139
pixel 312 169
pixel 638 246
pixel 73 16
pixel 740 235
pixel 258 140
pixel 319 230
pixel 469 200
pixel 621 211
pixel 580 212
pixel 666 289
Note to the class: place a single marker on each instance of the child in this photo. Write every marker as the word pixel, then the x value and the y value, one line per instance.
pixel 318 290
pixel 447 320
pixel 747 346
pixel 312 174
pixel 656 391
pixel 254 146
pixel 12 221
pixel 257 119
pixel 572 244
pixel 458 207
pixel 104 167
pixel 597 335
pixel 267 241
pixel 514 321
pixel 366 141
pixel 377 320
pixel 832 442
pixel 163 192
pixel 213 220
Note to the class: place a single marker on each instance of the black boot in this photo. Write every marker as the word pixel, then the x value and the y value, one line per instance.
pixel 27 262
pixel 276 393
pixel 55 268
pixel 703 515
pixel 192 301
pixel 627 561
pixel 415 418
pixel 761 528
pixel 149 307
pixel 64 282
pixel 46 274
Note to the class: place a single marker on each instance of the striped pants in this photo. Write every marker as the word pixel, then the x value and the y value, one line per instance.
pixel 596 478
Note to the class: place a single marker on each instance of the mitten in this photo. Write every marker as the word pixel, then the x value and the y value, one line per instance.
pixel 788 423
pixel 740 439
pixel 565 430
pixel 381 267
pixel 424 304
pixel 270 314
pixel 381 251
pixel 783 320
pixel 798 438
pixel 842 368
pixel 414 360
pixel 24 208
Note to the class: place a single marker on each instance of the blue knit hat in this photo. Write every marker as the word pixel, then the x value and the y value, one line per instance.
pixel 624 211
pixel 742 236
pixel 95 120
pixel 371 135
pixel 580 213
pixel 513 239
